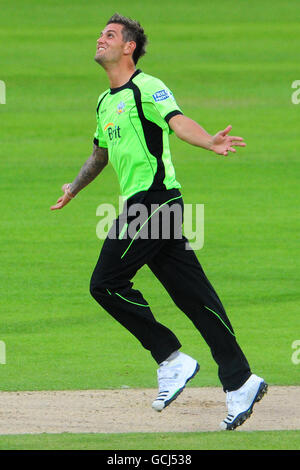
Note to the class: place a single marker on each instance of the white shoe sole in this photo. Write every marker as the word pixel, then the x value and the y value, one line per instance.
pixel 244 415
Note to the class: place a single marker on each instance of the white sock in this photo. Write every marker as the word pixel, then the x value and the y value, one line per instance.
pixel 172 356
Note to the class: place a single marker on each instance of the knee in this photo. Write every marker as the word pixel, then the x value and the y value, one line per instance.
pixel 98 289
pixel 93 290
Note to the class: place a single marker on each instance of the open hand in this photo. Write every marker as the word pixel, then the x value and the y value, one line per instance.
pixel 222 143
pixel 63 200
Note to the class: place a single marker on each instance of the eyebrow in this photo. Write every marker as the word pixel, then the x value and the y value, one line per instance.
pixel 109 31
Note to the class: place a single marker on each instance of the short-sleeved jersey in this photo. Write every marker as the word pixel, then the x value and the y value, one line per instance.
pixel 132 123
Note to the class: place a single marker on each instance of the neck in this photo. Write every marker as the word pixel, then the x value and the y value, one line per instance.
pixel 118 75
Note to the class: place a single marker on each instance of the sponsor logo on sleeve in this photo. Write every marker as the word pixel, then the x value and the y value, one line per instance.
pixel 162 95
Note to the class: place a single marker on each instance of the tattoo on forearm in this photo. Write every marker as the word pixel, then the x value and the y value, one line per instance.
pixel 91 168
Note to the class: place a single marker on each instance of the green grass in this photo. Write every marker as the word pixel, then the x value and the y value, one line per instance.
pixel 239 440
pixel 226 63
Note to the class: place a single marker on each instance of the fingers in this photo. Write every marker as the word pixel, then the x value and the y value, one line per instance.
pixel 226 131
pixel 57 206
pixel 223 143
pixel 237 141
pixel 229 149
pixel 234 139
pixel 61 202
pixel 238 144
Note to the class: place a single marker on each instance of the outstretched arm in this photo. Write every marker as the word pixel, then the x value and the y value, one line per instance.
pixel 92 167
pixel 190 131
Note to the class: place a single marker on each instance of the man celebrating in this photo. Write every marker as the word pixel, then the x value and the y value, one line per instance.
pixel 134 119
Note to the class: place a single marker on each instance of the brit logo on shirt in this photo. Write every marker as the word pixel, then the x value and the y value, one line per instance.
pixel 121 107
pixel 114 131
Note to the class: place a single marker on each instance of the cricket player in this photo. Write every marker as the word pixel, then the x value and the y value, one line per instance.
pixel 135 117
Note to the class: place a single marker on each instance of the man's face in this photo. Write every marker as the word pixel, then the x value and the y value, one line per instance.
pixel 110 45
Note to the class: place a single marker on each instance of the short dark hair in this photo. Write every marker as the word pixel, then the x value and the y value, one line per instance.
pixel 132 31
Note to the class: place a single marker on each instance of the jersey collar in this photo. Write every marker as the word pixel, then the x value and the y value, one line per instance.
pixel 115 90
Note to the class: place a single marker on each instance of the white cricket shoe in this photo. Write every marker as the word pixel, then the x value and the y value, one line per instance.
pixel 172 378
pixel 240 402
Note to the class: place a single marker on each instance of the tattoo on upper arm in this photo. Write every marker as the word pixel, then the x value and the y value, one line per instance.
pixel 91 168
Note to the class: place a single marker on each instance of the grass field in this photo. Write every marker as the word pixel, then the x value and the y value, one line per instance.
pixel 267 440
pixel 226 63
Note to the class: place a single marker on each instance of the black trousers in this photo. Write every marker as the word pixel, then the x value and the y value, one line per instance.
pixel 130 245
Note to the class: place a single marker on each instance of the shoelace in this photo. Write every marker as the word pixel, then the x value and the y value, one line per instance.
pixel 233 401
pixel 166 375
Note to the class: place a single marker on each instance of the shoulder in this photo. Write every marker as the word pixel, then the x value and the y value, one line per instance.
pixel 149 84
pixel 103 94
pixel 101 98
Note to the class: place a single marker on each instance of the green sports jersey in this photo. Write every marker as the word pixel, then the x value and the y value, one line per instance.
pixel 132 123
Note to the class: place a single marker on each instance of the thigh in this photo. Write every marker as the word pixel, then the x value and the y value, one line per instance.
pixel 136 238
pixel 121 258
pixel 180 272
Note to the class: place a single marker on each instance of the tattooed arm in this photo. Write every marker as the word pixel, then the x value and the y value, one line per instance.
pixel 92 167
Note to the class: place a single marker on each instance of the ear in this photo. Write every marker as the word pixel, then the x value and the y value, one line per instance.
pixel 129 48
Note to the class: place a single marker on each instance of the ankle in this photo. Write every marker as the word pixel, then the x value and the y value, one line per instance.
pixel 172 356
